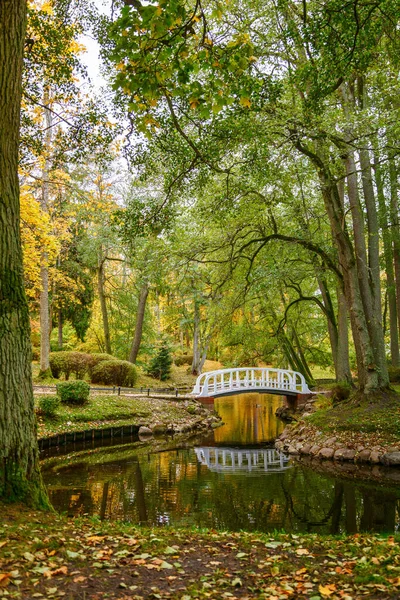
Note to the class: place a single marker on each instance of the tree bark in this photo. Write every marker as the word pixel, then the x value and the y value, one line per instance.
pixel 103 304
pixel 144 292
pixel 389 268
pixel 372 371
pixel 60 329
pixel 196 339
pixel 20 478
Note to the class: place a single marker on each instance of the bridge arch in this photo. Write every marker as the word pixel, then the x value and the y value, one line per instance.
pixel 250 379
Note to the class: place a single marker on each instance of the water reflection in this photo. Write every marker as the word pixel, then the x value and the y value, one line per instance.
pixel 249 419
pixel 203 486
pixel 176 488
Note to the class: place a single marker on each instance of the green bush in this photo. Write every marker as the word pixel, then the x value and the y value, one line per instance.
pixel 48 405
pixel 185 359
pixel 69 362
pixel 115 372
pixel 95 359
pixel 73 392
pixel 35 353
pixel 394 374
pixel 160 366
pixel 57 363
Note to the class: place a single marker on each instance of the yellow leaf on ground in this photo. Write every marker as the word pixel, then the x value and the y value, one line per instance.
pixel 327 590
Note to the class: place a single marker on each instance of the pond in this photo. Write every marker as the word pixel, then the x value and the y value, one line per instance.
pixel 232 479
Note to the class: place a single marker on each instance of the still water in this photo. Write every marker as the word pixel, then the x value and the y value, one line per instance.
pixel 232 479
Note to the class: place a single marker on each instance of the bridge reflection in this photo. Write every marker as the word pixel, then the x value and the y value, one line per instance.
pixel 243 460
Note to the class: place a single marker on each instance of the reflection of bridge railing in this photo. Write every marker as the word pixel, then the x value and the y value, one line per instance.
pixel 250 460
pixel 226 381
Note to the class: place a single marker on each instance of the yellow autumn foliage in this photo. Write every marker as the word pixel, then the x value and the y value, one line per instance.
pixel 38 236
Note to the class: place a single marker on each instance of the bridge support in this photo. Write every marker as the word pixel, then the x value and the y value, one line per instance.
pixel 298 401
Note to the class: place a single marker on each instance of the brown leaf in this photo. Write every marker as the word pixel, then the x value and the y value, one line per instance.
pixel 60 571
pixel 4 579
pixel 80 579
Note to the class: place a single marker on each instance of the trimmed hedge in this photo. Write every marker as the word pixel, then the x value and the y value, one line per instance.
pixel 115 372
pixel 48 405
pixel 73 392
pixel 185 359
pixel 95 359
pixel 65 363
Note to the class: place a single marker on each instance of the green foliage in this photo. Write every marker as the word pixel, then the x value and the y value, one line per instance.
pixel 184 359
pixel 160 366
pixel 73 392
pixel 65 362
pixel 394 374
pixel 115 372
pixel 48 405
pixel 96 359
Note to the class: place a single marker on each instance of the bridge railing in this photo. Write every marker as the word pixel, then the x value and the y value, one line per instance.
pixel 250 378
pixel 239 460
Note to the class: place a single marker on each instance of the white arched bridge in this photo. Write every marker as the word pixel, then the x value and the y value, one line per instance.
pixel 250 379
pixel 248 460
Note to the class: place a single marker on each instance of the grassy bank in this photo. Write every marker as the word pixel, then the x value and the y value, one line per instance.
pixel 47 556
pixel 371 420
pixel 108 410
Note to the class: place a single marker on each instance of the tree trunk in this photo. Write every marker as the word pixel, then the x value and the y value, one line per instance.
pixel 44 267
pixel 20 478
pixel 60 329
pixel 103 304
pixel 144 292
pixel 196 340
pixel 394 219
pixel 371 362
pixel 389 268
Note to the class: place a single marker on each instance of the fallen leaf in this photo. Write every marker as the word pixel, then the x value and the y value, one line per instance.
pixel 4 579
pixel 302 552
pixel 60 571
pixel 327 590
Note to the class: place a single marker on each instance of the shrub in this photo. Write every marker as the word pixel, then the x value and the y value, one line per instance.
pixel 95 359
pixel 394 374
pixel 160 366
pixel 73 392
pixel 78 363
pixel 115 372
pixel 57 363
pixel 48 405
pixel 186 359
pixel 35 353
pixel 69 362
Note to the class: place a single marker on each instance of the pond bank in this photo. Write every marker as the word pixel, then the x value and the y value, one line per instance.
pixel 356 431
pixel 105 417
pixel 45 556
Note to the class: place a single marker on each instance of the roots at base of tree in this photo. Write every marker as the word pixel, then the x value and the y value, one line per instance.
pixel 15 487
pixel 45 374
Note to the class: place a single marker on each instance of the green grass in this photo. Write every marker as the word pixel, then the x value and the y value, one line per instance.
pixel 103 411
pixel 359 415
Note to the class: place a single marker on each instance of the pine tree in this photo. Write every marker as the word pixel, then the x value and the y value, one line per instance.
pixel 160 366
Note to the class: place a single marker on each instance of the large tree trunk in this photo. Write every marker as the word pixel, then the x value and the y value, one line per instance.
pixel 371 364
pixel 20 478
pixel 389 268
pixel 144 292
pixel 45 329
pixel 103 304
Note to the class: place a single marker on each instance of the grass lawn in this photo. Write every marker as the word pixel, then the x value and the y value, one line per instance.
pixel 46 556
pixel 103 411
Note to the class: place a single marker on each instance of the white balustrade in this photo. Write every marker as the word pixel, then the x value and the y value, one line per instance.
pixel 236 460
pixel 244 379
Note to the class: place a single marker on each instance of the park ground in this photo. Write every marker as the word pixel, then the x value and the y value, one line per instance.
pixel 46 556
